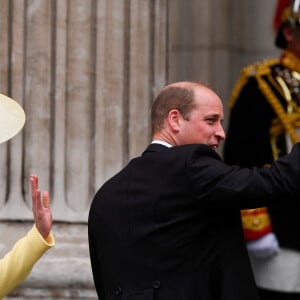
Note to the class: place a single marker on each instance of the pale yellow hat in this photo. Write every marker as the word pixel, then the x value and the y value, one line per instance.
pixel 12 118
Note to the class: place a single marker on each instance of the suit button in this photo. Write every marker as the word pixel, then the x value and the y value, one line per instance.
pixel 118 291
pixel 156 284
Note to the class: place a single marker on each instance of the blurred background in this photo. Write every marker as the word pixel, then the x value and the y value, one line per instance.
pixel 86 73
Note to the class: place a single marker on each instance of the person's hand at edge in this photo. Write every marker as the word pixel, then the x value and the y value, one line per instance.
pixel 41 208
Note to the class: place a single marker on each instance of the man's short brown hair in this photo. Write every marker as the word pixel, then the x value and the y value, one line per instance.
pixel 180 97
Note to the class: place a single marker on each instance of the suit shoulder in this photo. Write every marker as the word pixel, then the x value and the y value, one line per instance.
pixel 200 150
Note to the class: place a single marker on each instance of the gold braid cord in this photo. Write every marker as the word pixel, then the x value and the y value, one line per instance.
pixel 288 120
pixel 247 72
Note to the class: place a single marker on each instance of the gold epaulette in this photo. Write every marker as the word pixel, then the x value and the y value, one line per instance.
pixel 257 69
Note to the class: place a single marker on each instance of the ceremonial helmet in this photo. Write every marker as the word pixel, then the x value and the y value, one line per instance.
pixel 287 13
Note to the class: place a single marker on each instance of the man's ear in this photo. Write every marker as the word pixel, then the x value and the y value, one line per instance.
pixel 174 119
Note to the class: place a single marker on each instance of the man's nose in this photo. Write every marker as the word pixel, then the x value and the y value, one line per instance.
pixel 221 133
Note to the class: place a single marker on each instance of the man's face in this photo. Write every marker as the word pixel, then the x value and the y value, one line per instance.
pixel 204 125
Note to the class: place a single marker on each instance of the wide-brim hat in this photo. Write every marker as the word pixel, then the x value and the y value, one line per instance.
pixel 12 118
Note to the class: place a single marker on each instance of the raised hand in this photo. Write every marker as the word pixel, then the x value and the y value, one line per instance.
pixel 41 208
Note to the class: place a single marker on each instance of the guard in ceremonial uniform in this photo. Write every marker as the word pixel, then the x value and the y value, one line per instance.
pixel 264 123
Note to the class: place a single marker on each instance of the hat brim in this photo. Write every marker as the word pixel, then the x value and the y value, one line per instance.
pixel 12 118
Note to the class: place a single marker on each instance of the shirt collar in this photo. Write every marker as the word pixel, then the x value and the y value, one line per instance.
pixel 162 143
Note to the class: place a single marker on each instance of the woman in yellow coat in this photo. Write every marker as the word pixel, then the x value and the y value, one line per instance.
pixel 16 265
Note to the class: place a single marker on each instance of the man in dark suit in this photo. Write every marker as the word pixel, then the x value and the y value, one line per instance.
pixel 167 226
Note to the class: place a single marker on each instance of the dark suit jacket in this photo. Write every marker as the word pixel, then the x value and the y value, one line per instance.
pixel 167 227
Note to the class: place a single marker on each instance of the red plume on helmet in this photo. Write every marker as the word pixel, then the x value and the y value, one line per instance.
pixel 281 6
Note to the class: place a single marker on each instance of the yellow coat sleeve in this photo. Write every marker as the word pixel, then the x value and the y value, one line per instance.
pixel 16 265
